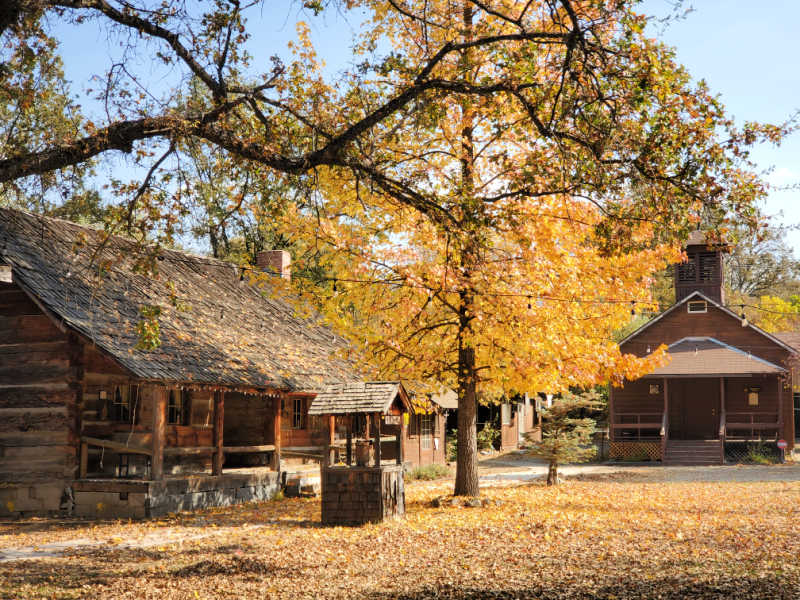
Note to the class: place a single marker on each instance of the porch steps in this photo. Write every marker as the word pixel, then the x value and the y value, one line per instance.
pixel 693 452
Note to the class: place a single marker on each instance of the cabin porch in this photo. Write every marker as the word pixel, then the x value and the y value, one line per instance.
pixel 695 420
pixel 149 449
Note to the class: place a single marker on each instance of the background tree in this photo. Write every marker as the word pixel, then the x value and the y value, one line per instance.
pixel 36 111
pixel 479 157
pixel 566 435
pixel 761 263
pixel 505 231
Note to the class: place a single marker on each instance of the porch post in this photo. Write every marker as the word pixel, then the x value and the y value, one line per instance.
pixel 402 442
pixel 610 412
pixel 780 407
pixel 665 419
pixel 723 417
pixel 219 420
pixel 377 439
pixel 276 435
pixel 159 432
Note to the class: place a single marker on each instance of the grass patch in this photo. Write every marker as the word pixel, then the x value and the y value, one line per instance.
pixel 428 472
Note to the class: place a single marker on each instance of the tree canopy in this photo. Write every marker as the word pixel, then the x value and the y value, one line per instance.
pixel 491 185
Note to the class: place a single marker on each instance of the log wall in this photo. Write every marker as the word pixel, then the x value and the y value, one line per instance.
pixel 39 373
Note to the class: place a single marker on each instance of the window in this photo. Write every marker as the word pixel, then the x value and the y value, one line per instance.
pixel 655 389
pixel 298 413
pixel 123 403
pixel 426 425
pixel 752 395
pixel 178 407
pixel 697 306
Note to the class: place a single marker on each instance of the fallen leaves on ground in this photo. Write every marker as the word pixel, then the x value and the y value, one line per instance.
pixel 580 540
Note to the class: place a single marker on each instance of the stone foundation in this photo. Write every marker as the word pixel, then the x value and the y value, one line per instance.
pixel 33 499
pixel 137 499
pixel 357 495
pixel 141 499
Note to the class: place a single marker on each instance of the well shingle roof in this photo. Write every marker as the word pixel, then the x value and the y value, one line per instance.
pixel 707 356
pixel 214 328
pixel 360 397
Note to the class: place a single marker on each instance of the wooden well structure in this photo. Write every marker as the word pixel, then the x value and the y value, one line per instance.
pixel 362 475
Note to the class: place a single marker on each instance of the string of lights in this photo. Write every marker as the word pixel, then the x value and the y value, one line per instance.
pixel 642 306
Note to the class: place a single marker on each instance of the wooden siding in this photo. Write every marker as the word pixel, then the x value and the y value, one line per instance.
pixel 413 451
pixel 714 323
pixel 39 368
pixel 726 328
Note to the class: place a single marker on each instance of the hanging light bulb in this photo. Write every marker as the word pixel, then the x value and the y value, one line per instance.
pixel 744 317
pixel 633 308
pixel 529 302
pixel 648 348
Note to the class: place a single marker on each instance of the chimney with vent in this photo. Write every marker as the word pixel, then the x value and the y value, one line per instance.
pixel 702 272
pixel 275 262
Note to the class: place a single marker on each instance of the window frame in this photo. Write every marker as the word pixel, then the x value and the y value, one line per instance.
pixel 702 303
pixel 427 429
pixel 298 413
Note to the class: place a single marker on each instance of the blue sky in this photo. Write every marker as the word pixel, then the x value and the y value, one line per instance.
pixel 745 50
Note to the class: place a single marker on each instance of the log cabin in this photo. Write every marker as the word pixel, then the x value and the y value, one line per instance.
pixel 727 384
pixel 96 423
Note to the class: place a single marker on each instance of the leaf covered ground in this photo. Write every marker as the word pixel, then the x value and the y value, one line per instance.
pixel 608 539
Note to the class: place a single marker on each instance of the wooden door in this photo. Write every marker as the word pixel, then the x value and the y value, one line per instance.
pixel 694 409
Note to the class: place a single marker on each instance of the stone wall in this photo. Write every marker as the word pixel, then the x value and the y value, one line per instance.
pixel 356 495
pixel 141 499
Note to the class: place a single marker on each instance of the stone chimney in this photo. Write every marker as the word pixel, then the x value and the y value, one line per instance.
pixel 275 262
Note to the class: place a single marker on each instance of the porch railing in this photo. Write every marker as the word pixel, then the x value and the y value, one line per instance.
pixel 122 448
pixel 629 426
pixel 756 424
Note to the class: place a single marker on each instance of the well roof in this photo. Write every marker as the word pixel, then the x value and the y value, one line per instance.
pixel 706 356
pixel 214 328
pixel 357 397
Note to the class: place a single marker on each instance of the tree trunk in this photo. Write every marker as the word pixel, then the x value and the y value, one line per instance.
pixel 552 473
pixel 467 461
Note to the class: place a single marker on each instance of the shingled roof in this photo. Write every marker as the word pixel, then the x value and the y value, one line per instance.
pixel 706 356
pixel 361 397
pixel 214 328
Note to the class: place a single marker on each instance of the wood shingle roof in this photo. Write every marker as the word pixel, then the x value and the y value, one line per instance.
pixel 361 397
pixel 214 328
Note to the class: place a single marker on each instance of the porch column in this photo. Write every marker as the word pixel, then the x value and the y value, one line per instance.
pixel 159 432
pixel 377 439
pixel 219 420
pixel 331 429
pixel 780 407
pixel 665 419
pixel 276 435
pixel 723 417
pixel 610 412
pixel 402 444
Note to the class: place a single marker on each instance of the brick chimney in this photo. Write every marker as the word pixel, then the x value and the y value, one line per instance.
pixel 275 262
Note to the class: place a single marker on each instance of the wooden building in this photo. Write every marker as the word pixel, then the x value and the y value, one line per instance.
pixel 726 384
pixel 419 417
pixel 520 421
pixel 95 424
